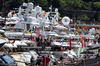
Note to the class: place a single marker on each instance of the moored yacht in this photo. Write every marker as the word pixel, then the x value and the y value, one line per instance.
pixel 2 39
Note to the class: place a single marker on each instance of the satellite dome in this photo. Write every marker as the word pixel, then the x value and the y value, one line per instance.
pixel 65 20
pixel 24 4
pixel 30 5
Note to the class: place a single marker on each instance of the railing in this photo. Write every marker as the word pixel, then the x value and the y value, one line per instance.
pixel 2 64
pixel 89 62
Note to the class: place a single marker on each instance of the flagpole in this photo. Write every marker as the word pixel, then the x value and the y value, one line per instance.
pixel 21 36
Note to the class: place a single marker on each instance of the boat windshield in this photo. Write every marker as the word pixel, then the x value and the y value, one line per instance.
pixel 8 59
pixel 0 27
pixel 12 20
pixel 1 61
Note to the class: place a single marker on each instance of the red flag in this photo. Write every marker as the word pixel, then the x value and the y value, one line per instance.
pixel 12 26
pixel 93 40
pixel 11 12
pixel 59 22
pixel 84 39
pixel 78 28
pixel 31 38
pixel 81 41
pixel 13 42
pixel 71 20
pixel 37 33
pixel 69 40
pixel 88 40
pixel 6 20
pixel 6 25
pixel 80 36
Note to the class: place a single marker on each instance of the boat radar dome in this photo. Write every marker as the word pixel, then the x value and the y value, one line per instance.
pixel 66 20
pixel 39 19
pixel 31 19
pixel 56 9
pixel 24 4
pixel 30 5
pixel 38 9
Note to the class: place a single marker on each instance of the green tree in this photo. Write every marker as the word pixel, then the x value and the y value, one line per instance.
pixel 56 3
pixel 63 3
pixel 43 2
pixel 96 5
pixel 87 5
pixel 75 3
pixel 50 2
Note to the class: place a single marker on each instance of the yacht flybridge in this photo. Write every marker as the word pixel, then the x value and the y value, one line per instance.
pixel 33 16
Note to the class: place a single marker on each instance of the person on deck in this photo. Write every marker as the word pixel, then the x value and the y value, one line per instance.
pixel 32 61
pixel 45 61
pixel 38 61
pixel 61 59
pixel 65 58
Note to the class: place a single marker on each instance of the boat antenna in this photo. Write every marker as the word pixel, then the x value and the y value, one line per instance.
pixel 50 8
pixel 4 10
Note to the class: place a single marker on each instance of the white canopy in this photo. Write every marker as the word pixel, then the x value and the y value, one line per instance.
pixel 34 54
pixel 53 34
pixel 55 43
pixel 73 44
pixel 9 33
pixel 88 36
pixel 20 43
pixel 72 34
pixel 2 31
pixel 10 45
pixel 28 41
pixel 66 35
pixel 94 45
pixel 60 27
pixel 27 55
pixel 70 55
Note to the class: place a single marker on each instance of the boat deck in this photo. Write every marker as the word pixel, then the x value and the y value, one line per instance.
pixel 17 57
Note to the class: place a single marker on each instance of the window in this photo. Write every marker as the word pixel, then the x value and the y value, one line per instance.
pixel 8 59
pixel 1 61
